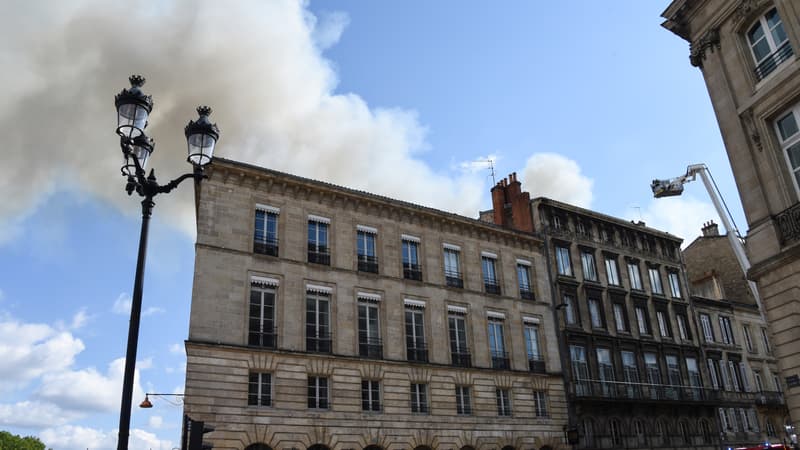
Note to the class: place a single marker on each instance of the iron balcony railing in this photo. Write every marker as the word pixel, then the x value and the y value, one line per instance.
pixel 267 338
pixel 770 398
pixel 367 263
pixel 622 390
pixel 525 292
pixel 319 255
pixel 461 358
pixel 412 271
pixel 370 347
pixel 421 408
pixel 536 364
pixel 500 360
pixel 318 342
pixel 788 222
pixel 774 60
pixel 453 279
pixel 265 246
pixel 491 286
pixel 418 353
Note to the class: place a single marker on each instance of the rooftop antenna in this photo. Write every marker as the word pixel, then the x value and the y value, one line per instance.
pixel 491 169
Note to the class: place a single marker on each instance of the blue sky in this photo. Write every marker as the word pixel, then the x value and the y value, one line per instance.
pixel 587 101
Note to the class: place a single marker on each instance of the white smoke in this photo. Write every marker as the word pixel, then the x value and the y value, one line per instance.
pixel 557 177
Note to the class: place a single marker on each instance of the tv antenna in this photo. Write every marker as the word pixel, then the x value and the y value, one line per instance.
pixel 491 170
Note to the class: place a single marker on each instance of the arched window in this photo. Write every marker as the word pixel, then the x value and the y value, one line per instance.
pixel 705 429
pixel 616 432
pixel 587 433
pixel 639 433
pixel 258 447
pixel 686 437
pixel 768 43
pixel 770 429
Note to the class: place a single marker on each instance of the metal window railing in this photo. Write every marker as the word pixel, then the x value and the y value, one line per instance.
pixel 536 364
pixel 623 390
pixel 500 360
pixel 267 338
pixel 319 256
pixel 412 271
pixel 491 286
pixel 453 279
pixel 461 358
pixel 265 246
pixel 525 292
pixel 318 342
pixel 367 263
pixel 418 353
pixel 370 347
pixel 774 60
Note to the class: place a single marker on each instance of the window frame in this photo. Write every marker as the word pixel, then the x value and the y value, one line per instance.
pixel 267 243
pixel 664 325
pixel 419 350
pixel 596 313
pixel 458 336
pixel 612 271
pixel 491 279
pixel 497 345
pixel 259 389
pixel 503 400
pixel 463 400
pixel 319 249
pixel 540 404
pixel 620 317
pixel 643 320
pixel 321 340
pixel 773 47
pixel 409 249
pixel 674 284
pixel 708 328
pixel 451 257
pixel 367 249
pixel 317 385
pixel 654 275
pixel 635 276
pixel 371 396
pixel 370 344
pixel 589 265
pixel 791 142
pixel 419 398
pixel 524 282
pixel 265 325
pixel 563 261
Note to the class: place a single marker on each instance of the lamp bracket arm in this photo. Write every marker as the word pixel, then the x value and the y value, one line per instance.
pixel 197 175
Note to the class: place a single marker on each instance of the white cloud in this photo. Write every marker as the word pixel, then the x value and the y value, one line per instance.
pixel 557 177
pixel 279 109
pixel 87 389
pixel 79 319
pixel 176 348
pixel 153 310
pixel 480 164
pixel 69 437
pixel 29 350
pixel 155 422
pixel 122 305
pixel 34 414
pixel 682 216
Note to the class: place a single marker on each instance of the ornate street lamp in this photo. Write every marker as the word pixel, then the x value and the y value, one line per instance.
pixel 133 110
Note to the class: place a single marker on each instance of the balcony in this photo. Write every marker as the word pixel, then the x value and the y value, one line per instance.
pixel 461 358
pixel 592 389
pixel 265 339
pixel 789 225
pixel 370 347
pixel 321 256
pixel 774 60
pixel 412 272
pixel 536 364
pixel 525 292
pixel 318 342
pixel 770 398
pixel 491 287
pixel 418 353
pixel 265 246
pixel 500 360
pixel 453 279
pixel 367 263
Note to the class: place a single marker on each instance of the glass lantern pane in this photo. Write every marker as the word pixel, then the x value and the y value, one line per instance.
pixel 201 148
pixel 131 120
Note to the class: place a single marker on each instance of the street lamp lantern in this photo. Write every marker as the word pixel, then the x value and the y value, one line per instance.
pixel 133 108
pixel 201 137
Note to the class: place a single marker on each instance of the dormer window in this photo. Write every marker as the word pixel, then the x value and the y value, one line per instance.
pixel 768 42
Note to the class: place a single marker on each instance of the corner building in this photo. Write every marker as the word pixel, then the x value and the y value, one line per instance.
pixel 747 52
pixel 328 318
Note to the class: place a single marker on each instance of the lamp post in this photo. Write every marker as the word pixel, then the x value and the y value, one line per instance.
pixel 133 109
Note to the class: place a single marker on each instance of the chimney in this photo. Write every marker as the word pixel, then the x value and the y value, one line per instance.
pixel 511 206
pixel 710 229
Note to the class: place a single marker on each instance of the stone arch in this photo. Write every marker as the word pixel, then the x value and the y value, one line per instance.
pixel 587 432
pixel 373 447
pixel 319 447
pixel 467 447
pixel 639 432
pixel 422 447
pixel 258 447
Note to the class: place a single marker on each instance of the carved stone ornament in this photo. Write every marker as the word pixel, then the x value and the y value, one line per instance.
pixel 752 131
pixel 746 7
pixel 697 50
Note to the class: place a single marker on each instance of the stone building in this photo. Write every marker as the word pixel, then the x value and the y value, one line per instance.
pixel 745 50
pixel 328 318
pixel 736 347
pixel 635 376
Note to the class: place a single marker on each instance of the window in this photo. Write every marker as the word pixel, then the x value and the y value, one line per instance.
pixel 674 284
pixel 318 250
pixel 370 395
pixel 524 280
pixel 620 318
pixel 540 403
pixel 684 432
pixel 318 393
pixel 629 369
pixel 777 382
pixel 694 372
pixel 587 427
pixel 748 339
pixel 265 239
pixel 369 333
pixel 639 433
pixel 765 340
pixel 580 369
pixel 641 319
pixel 708 331
pixel 365 247
pixel 503 402
pixel 743 376
pixel 416 350
pixel 411 267
pixel 261 318
pixel 452 269
pixel 489 265
pixel 725 330
pixel 419 398
pixel 605 370
pixel 570 313
pixel 535 360
pixel 673 370
pixel 683 327
pixel 596 313
pixel 459 352
pixel 757 379
pixel 705 430
pixel 789 136
pixel 655 280
pixel 496 344
pixel 612 272
pixel 259 389
pixel 713 373
pixel 318 336
pixel 635 276
pixel 589 267
pixel 663 324
pixel 616 433
pixel 771 429
pixel 563 261
pixel 652 369
pixel 768 43
pixel 463 404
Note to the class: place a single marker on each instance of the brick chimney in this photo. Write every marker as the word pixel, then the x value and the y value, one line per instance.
pixel 710 229
pixel 512 207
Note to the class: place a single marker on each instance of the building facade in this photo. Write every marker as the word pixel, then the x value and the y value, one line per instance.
pixel 328 318
pixel 746 50
pixel 634 376
pixel 735 343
